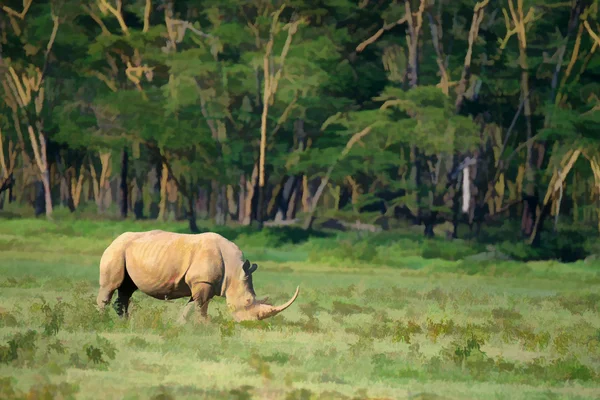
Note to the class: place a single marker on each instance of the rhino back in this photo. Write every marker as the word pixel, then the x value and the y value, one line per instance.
pixel 158 263
pixel 112 262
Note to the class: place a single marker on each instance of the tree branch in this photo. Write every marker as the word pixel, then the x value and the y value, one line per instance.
pixel 377 35
pixel 284 116
pixel 593 34
pixel 315 200
pixel 147 10
pixel 292 28
pixel 20 15
pixel 97 19
pixel 478 13
pixel 7 183
pixel 435 37
pixel 56 23
pixel 116 12
pixel 510 129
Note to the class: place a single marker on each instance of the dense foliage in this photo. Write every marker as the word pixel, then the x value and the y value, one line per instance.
pixel 427 111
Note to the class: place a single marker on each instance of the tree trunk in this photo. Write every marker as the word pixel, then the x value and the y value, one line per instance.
pixel 219 198
pixel 202 202
pixel 151 191
pixel 101 184
pixel 455 213
pixel 416 178
pixel 429 223
pixel 138 204
pixel 293 204
pixel 39 202
pixel 250 208
pixel 42 161
pixel 162 207
pixel 212 201
pixel 191 211
pixel 232 206
pixel 535 157
pixel 242 199
pixel 413 33
pixel 69 178
pixel 64 189
pixel 284 196
pixel 47 193
pixel 260 206
pixel 123 185
pixel 536 237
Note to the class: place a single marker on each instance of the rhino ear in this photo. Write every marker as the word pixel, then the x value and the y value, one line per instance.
pixel 252 269
pixel 246 266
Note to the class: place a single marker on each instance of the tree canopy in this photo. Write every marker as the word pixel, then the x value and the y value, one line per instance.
pixel 428 111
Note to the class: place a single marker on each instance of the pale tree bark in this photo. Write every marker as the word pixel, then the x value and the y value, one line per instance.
pixel 176 31
pixel 285 199
pixel 250 188
pixel 28 91
pixel 306 195
pixel 124 188
pixel 516 24
pixel 308 222
pixel 134 68
pixel 19 15
pixel 101 184
pixel 271 81
pixel 356 191
pixel 242 199
pixel 6 177
pixel 413 33
pixel 478 14
pixel 77 185
pixel 65 175
pixel 556 182
pixel 461 87
pixel 162 207
pixel 232 206
pixel 187 190
pixel 533 215
pixel 595 165
pixel 578 8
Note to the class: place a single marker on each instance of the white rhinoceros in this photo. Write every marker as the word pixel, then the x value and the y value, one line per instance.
pixel 168 265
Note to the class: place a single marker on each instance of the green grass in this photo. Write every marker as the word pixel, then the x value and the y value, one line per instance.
pixel 379 316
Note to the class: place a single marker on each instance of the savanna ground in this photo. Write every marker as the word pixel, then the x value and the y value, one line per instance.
pixel 378 316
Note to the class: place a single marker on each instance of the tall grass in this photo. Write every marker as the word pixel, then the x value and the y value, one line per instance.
pixel 388 315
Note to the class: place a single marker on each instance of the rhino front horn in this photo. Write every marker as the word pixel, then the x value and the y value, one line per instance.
pixel 267 311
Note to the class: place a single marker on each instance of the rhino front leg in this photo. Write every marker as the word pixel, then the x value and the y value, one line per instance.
pixel 202 293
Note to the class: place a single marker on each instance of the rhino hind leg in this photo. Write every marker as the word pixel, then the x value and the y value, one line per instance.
pixel 112 272
pixel 104 296
pixel 124 293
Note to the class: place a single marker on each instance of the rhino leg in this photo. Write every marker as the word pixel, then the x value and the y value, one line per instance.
pixel 124 292
pixel 112 272
pixel 202 293
pixel 104 296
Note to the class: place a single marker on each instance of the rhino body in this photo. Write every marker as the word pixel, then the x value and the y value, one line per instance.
pixel 168 265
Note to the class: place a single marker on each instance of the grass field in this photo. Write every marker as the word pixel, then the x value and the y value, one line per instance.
pixel 387 316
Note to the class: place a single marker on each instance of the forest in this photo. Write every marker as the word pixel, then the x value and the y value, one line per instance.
pixel 415 112
pixel 427 172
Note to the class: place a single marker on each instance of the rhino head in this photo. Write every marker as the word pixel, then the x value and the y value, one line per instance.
pixel 242 300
